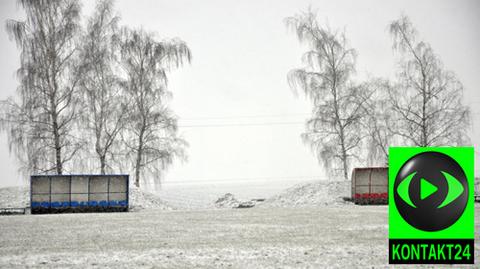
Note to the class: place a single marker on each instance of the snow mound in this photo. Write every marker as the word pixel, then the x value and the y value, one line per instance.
pixel 227 201
pixel 140 199
pixel 316 193
pixel 14 197
pixel 19 197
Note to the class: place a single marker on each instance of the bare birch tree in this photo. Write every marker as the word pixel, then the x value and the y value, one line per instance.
pixel 333 130
pixel 24 138
pixel 152 138
pixel 428 100
pixel 104 103
pixel 39 122
pixel 378 122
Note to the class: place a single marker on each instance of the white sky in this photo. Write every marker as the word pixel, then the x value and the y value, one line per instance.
pixel 241 55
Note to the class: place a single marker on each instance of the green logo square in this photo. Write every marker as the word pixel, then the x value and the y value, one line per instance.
pixel 431 197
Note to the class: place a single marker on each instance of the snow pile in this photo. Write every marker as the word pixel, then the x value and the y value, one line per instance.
pixel 14 197
pixel 227 201
pixel 19 197
pixel 312 194
pixel 140 199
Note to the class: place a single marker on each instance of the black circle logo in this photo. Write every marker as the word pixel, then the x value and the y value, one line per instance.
pixel 431 191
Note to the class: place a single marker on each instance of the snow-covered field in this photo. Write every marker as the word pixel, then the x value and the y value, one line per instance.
pixel 204 195
pixel 305 226
pixel 320 237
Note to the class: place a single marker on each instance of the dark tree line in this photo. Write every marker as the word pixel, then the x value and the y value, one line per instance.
pixel 91 97
pixel 356 122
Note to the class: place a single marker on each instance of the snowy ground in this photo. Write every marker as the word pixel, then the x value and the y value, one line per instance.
pixel 345 236
pixel 204 195
pixel 304 226
pixel 14 197
pixel 314 193
pixel 140 200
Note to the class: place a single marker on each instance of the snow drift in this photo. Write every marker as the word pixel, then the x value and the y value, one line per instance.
pixel 312 194
pixel 140 199
pixel 227 201
pixel 14 197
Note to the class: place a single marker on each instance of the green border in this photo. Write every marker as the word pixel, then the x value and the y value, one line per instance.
pixel 464 227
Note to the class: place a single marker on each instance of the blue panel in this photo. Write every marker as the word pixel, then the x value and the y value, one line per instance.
pixel 36 204
pixel 103 203
pixel 56 204
pixel 112 203
pixel 92 203
pixel 74 204
pixel 45 204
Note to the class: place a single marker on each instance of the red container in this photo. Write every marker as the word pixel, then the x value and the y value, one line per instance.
pixel 370 185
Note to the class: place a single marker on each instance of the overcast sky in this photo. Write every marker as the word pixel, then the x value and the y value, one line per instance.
pixel 241 55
